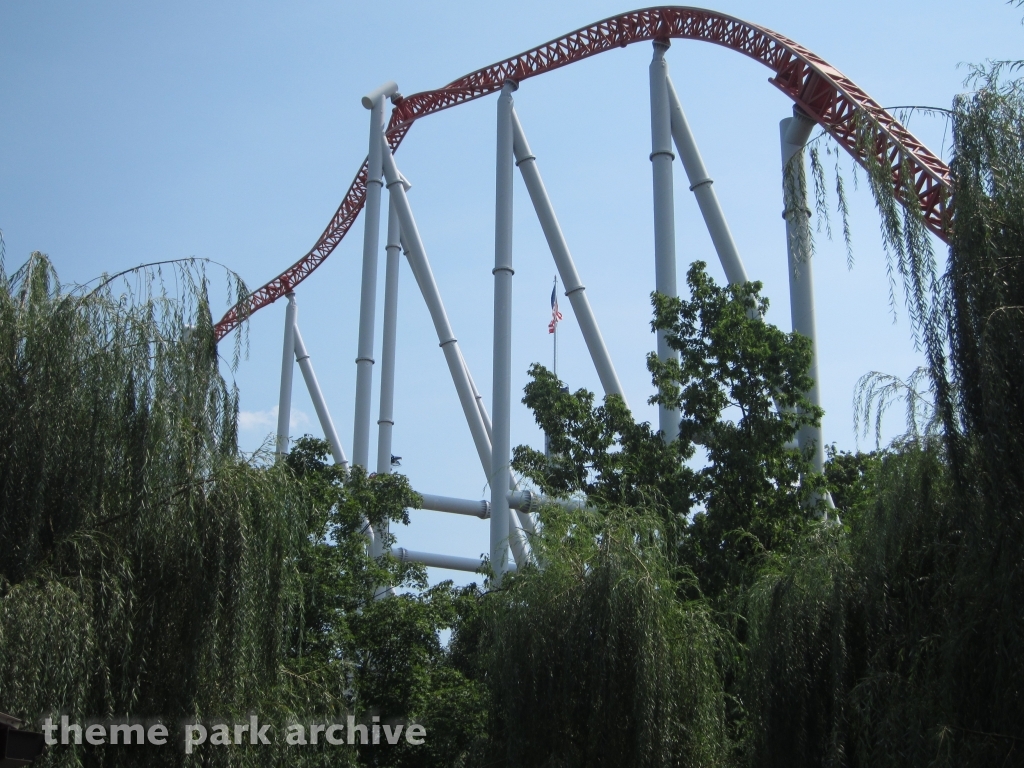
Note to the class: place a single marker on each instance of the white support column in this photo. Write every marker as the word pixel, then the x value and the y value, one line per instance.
pixel 794 132
pixel 702 186
pixel 428 287
pixel 284 403
pixel 386 421
pixel 368 292
pixel 664 213
pixel 317 396
pixel 501 522
pixel 574 288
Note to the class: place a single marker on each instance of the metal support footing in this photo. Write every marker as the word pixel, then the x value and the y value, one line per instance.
pixel 313 387
pixel 664 214
pixel 284 403
pixel 420 266
pixel 574 288
pixel 502 527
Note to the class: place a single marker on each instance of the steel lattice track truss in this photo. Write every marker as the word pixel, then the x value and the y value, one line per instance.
pixel 834 101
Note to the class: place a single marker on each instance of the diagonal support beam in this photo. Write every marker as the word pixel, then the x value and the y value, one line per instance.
pixel 420 266
pixel 317 396
pixel 702 186
pixel 574 287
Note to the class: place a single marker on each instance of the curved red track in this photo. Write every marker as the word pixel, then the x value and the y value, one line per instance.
pixel 821 90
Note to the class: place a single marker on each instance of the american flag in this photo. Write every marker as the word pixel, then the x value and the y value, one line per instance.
pixel 555 314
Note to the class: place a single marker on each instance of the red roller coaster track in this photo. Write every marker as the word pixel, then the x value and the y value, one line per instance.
pixel 822 91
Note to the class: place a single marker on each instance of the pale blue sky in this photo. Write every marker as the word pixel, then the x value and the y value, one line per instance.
pixel 134 132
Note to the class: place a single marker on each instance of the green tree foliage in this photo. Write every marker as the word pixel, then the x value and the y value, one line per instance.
pixel 352 652
pixel 848 639
pixel 695 612
pixel 738 386
pixel 593 661
pixel 144 566
pixel 898 642
pixel 150 571
pixel 612 654
pixel 338 579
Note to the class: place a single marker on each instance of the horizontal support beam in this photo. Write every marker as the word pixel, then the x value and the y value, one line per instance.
pixel 522 501
pixel 451 562
pixel 481 509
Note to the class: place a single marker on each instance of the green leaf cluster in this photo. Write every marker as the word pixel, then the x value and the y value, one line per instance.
pixel 733 487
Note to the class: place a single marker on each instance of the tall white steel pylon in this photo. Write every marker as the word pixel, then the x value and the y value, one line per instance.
pixel 501 426
pixel 368 288
pixel 664 213
pixel 794 132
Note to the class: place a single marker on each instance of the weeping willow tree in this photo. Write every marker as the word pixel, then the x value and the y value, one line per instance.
pixel 143 568
pixel 592 660
pixel 146 569
pixel 898 641
pixel 150 571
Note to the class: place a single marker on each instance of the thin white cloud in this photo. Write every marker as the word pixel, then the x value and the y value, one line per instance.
pixel 267 420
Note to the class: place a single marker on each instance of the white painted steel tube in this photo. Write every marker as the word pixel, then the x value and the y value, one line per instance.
pixel 574 288
pixel 451 562
pixel 502 528
pixel 481 509
pixel 284 403
pixel 381 92
pixel 386 420
pixel 664 214
pixel 479 400
pixel 527 522
pixel 527 501
pixel 317 396
pixel 484 415
pixel 794 132
pixel 703 189
pixel 521 501
pixel 368 290
pixel 428 287
pixel 386 412
pixel 517 542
